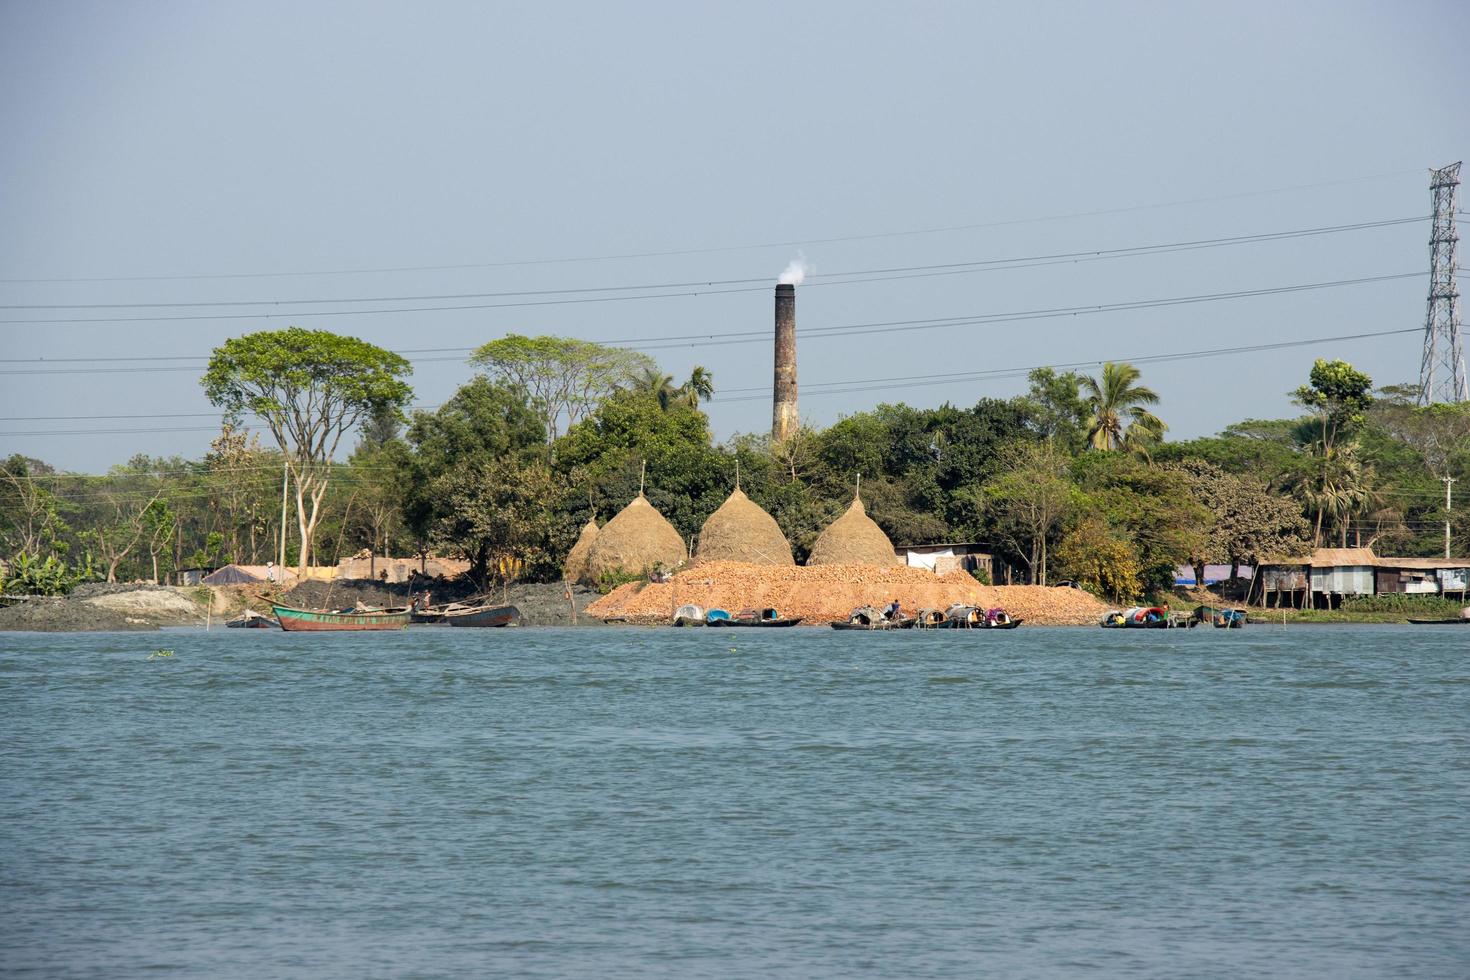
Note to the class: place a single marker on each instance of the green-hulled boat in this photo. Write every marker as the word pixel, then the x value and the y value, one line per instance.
pixel 327 621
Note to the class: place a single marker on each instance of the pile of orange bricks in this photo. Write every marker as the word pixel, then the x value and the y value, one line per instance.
pixel 821 594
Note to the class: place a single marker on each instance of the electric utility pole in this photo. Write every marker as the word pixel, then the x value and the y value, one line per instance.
pixel 1448 480
pixel 1442 372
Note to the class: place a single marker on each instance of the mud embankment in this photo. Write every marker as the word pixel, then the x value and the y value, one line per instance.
pixel 99 607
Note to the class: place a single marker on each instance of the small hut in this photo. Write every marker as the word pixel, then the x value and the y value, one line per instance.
pixel 576 562
pixel 636 540
pixel 741 531
pixel 853 539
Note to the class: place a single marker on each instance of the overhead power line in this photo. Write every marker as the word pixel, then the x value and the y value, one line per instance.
pixel 690 289
pixel 716 339
pixel 992 374
pixel 794 243
pixel 764 280
pixel 916 381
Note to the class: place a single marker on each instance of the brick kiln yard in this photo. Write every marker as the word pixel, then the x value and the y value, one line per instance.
pixel 821 594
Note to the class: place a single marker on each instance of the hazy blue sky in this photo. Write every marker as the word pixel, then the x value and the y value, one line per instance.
pixel 154 139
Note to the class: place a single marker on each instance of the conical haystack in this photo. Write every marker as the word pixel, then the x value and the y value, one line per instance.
pixel 576 562
pixel 636 540
pixel 740 531
pixel 853 539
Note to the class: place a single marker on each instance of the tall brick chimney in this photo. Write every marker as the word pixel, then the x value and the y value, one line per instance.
pixel 784 419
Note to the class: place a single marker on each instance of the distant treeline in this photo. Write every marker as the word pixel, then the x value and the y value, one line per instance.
pixel 1074 479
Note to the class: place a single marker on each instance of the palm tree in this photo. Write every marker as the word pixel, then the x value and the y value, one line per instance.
pixel 659 385
pixel 1118 418
pixel 699 388
pixel 1332 484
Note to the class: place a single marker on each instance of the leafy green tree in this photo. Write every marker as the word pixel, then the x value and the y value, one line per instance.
pixel 482 422
pixel 159 525
pixel 30 518
pixel 239 490
pixel 604 454
pixel 1028 502
pixel 1338 394
pixel 310 387
pixel 565 377
pixel 1118 418
pixel 1151 506
pixel 501 508
pixel 1057 410
pixel 118 509
pixel 1250 522
pixel 1099 559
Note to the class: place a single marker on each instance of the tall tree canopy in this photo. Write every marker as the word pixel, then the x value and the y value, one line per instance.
pixel 310 387
pixel 565 377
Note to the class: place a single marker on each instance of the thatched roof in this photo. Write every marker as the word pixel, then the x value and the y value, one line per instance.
pixel 636 540
pixel 740 531
pixel 853 539
pixel 576 562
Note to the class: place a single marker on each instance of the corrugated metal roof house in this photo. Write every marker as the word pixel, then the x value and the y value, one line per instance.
pixel 1327 574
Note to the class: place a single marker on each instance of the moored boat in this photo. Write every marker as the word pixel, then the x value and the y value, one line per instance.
pixel 1229 619
pixel 928 619
pixel 863 618
pixel 755 617
pixel 1440 622
pixel 326 620
pixel 999 619
pixel 485 616
pixel 252 620
pixel 689 615
pixel 1138 618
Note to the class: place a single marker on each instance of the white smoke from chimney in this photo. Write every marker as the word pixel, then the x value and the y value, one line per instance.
pixel 796 271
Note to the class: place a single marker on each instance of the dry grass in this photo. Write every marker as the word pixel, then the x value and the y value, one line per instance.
pixel 853 539
pixel 576 564
pixel 741 531
pixel 636 540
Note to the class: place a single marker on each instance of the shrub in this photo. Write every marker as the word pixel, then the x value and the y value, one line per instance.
pixel 1427 606
pixel 30 575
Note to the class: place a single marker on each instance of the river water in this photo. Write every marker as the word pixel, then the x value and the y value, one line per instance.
pixel 1272 802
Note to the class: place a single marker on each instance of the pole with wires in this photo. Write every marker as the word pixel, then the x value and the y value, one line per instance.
pixel 285 478
pixel 1448 481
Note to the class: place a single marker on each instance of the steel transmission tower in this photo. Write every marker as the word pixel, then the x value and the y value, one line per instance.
pixel 1442 373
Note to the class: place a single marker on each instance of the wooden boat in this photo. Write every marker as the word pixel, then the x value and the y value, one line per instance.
pixel 689 615
pixel 1218 617
pixel 1229 619
pixel 485 616
pixel 755 617
pixel 714 615
pixel 1440 622
pixel 326 620
pixel 1138 618
pixel 421 611
pixel 960 617
pixel 252 620
pixel 929 619
pixel 863 618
